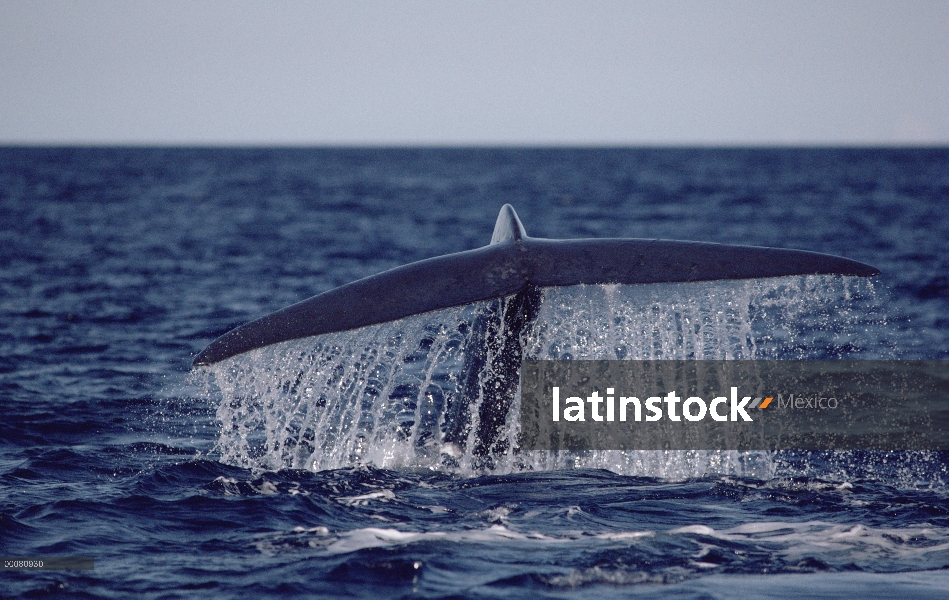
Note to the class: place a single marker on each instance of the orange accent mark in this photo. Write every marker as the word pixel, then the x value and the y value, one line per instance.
pixel 766 402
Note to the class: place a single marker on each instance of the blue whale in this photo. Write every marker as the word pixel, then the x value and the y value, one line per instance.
pixel 513 267
pixel 510 274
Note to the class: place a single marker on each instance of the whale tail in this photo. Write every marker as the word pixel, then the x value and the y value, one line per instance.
pixel 514 263
pixel 510 274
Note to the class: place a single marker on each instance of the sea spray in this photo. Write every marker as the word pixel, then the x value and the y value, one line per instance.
pixel 380 395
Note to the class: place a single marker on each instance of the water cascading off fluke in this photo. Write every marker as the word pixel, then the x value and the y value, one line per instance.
pixel 390 395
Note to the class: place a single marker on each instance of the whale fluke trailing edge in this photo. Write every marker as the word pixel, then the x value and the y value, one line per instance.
pixel 513 264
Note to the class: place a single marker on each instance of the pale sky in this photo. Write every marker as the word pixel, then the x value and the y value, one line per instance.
pixel 452 72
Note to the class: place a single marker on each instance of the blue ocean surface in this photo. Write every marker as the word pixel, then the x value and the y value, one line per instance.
pixel 272 476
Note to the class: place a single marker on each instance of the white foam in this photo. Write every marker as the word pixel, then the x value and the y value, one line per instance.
pixel 372 537
pixel 898 547
pixel 363 500
pixel 914 547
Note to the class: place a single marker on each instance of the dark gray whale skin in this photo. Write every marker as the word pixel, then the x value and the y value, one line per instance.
pixel 513 263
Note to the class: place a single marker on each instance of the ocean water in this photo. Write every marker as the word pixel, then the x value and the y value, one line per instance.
pixel 315 468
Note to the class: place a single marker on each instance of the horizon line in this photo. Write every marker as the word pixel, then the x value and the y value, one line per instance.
pixel 474 145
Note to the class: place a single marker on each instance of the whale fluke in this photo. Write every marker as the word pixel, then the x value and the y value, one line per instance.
pixel 514 263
